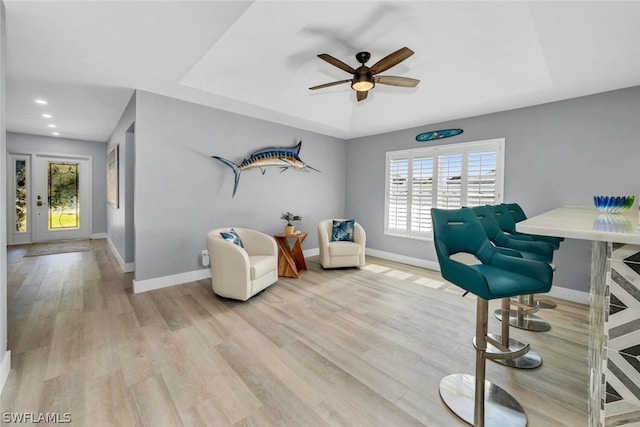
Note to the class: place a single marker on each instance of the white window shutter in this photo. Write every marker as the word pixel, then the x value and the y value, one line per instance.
pixel 481 177
pixel 397 195
pixel 448 177
pixel 421 194
pixel 450 181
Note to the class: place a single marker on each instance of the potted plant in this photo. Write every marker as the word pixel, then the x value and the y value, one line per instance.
pixel 290 218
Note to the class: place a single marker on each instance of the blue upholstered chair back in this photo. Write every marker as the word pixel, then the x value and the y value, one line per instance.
pixel 460 230
pixel 504 218
pixel 489 218
pixel 516 211
pixel 491 226
pixel 499 275
pixel 508 214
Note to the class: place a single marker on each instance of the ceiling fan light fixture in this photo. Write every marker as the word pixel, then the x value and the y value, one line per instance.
pixel 365 78
pixel 362 84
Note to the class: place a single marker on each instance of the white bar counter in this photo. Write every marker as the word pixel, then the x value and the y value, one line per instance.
pixel 614 313
pixel 586 223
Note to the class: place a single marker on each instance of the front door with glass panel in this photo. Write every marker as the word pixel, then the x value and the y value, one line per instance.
pixel 61 198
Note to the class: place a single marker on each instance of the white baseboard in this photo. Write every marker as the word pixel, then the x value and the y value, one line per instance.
pixel 311 252
pixel 417 262
pixel 580 297
pixel 166 281
pixel 388 255
pixel 5 367
pixel 98 236
pixel 128 267
pixel 125 267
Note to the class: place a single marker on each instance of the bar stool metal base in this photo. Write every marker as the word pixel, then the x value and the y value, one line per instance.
pixel 530 360
pixel 530 322
pixel 501 409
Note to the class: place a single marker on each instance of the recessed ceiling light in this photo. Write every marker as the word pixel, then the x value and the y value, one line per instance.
pixel 47 116
pixel 41 102
pixel 51 125
pixel 55 133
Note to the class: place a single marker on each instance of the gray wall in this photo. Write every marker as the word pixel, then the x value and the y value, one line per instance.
pixel 24 143
pixel 182 193
pixel 3 198
pixel 120 220
pixel 557 154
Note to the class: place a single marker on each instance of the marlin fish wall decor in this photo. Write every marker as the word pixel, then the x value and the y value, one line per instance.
pixel 282 157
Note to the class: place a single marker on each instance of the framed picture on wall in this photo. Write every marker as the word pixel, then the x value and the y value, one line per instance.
pixel 113 157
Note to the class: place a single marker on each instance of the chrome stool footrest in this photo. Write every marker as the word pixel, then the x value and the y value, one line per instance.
pixel 519 355
pixel 543 303
pixel 500 408
pixel 529 322
pixel 526 308
pixel 498 352
pixel 530 359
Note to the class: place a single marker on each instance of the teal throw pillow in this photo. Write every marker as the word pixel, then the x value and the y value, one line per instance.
pixel 342 231
pixel 232 237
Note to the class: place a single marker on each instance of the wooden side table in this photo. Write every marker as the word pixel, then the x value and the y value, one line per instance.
pixel 291 261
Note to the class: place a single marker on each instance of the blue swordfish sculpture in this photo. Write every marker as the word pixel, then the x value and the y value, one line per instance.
pixel 283 157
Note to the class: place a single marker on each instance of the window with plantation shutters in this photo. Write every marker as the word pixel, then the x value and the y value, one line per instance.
pixel 397 191
pixel 421 194
pixel 481 177
pixel 449 181
pixel 447 177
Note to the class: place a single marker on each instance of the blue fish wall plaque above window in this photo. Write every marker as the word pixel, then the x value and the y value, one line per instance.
pixel 438 134
pixel 282 157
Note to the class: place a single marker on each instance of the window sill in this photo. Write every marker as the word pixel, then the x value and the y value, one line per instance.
pixel 406 236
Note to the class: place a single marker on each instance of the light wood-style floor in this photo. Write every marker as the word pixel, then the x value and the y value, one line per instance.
pixel 348 347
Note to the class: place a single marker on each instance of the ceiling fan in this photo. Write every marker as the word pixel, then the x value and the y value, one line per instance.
pixel 365 78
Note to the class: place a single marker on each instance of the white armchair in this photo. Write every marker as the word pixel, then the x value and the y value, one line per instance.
pixel 240 273
pixel 340 253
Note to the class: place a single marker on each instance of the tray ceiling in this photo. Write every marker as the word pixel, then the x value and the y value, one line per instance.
pixel 259 59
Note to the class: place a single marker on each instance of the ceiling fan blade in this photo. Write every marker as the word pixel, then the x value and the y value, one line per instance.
pixel 396 81
pixel 336 62
pixel 339 82
pixel 362 95
pixel 391 60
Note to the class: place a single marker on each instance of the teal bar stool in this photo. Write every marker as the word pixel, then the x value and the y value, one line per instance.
pixel 472 398
pixel 518 215
pixel 508 215
pixel 522 316
pixel 530 249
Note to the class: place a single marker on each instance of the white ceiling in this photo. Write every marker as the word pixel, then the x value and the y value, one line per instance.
pixel 259 59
